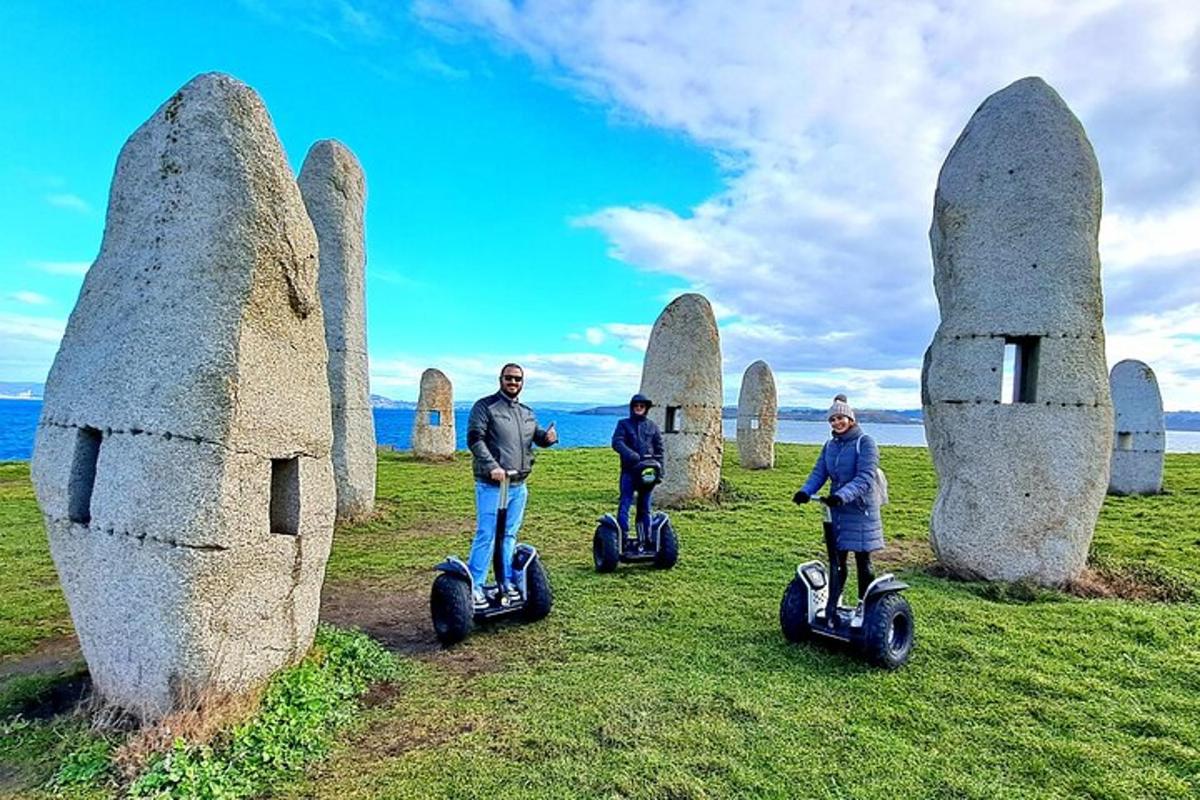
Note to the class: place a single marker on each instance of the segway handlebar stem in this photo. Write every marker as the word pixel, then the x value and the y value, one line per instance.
pixel 824 506
pixel 508 476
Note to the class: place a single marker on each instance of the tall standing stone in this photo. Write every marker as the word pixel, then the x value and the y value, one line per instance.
pixel 334 191
pixel 1016 268
pixel 433 435
pixel 681 375
pixel 182 456
pixel 1139 441
pixel 757 417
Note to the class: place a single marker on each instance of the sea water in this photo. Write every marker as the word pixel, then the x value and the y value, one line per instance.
pixel 393 428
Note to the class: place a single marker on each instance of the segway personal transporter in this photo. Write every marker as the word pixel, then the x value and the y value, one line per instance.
pixel 451 601
pixel 652 539
pixel 879 628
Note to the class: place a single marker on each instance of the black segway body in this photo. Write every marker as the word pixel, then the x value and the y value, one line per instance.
pixel 451 601
pixel 652 539
pixel 879 628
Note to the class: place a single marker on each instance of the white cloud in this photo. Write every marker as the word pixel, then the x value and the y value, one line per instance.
pixel 30 298
pixel 19 327
pixel 1170 344
pixel 575 377
pixel 628 336
pixel 29 345
pixel 71 202
pixel 832 120
pixel 62 267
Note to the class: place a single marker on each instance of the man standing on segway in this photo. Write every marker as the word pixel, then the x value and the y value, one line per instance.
pixel 501 433
pixel 635 439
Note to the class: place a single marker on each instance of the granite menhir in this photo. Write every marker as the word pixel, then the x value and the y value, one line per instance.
pixel 757 414
pixel 1022 472
pixel 433 436
pixel 334 191
pixel 1139 441
pixel 681 375
pixel 182 460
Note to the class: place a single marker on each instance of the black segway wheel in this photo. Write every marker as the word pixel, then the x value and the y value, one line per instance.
pixel 539 597
pixel 793 612
pixel 451 607
pixel 888 631
pixel 668 547
pixel 606 548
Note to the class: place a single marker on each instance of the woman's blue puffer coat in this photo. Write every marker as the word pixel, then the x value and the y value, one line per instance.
pixel 849 466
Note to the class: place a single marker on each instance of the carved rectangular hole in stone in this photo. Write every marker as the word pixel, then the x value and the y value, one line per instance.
pixel 1019 383
pixel 285 496
pixel 435 419
pixel 754 423
pixel 674 419
pixel 1124 440
pixel 83 475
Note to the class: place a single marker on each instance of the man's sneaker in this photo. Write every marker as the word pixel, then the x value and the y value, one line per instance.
pixel 512 593
pixel 479 598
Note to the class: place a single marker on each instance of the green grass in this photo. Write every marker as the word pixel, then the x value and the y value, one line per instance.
pixel 679 684
pixel 32 607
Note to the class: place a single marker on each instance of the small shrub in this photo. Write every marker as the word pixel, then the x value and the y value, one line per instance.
pixel 301 708
pixel 225 747
pixel 89 764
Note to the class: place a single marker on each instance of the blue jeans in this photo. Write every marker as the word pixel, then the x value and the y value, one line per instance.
pixel 628 481
pixel 487 497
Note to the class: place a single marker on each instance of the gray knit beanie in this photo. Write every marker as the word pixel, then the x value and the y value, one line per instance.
pixel 840 406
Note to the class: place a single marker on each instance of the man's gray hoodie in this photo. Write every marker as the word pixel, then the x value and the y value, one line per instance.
pixel 501 432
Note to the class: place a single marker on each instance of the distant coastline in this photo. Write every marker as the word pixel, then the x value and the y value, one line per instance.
pixel 1173 420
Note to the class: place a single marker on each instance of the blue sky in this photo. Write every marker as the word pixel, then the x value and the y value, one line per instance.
pixel 544 176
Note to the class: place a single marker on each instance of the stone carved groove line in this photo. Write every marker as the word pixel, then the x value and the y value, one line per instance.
pixel 141 537
pixel 169 436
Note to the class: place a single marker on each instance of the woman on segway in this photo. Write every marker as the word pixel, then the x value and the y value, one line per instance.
pixel 848 461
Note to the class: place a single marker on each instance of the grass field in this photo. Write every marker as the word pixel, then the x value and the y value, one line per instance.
pixel 679 684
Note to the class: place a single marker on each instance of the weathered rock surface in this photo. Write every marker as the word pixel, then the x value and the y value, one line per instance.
pixel 757 413
pixel 681 375
pixel 1139 441
pixel 1014 240
pixel 433 428
pixel 182 457
pixel 334 191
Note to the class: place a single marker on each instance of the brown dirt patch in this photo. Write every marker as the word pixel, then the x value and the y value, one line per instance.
pixel 398 618
pixel 59 654
pixel 1127 584
pixel 905 553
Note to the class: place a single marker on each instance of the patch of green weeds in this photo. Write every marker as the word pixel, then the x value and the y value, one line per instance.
pixel 301 710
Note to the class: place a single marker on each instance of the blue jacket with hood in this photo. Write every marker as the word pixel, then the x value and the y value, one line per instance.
pixel 635 436
pixel 849 466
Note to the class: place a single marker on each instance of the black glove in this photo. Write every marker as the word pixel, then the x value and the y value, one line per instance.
pixel 833 501
pixel 801 497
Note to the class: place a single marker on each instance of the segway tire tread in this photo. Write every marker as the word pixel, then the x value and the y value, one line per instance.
pixel 888 631
pixel 451 607
pixel 668 547
pixel 793 612
pixel 539 597
pixel 606 548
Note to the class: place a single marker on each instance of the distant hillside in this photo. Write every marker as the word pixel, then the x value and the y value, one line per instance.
pixel 1174 420
pixel 379 401
pixel 1182 420
pixel 871 416
pixel 22 391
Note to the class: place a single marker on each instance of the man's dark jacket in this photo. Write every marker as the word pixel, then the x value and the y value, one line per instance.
pixel 636 436
pixel 500 433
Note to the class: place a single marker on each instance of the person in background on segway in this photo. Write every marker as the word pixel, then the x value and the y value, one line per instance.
pixel 848 461
pixel 636 439
pixel 501 433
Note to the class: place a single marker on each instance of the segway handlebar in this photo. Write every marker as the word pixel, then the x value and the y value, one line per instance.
pixel 509 474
